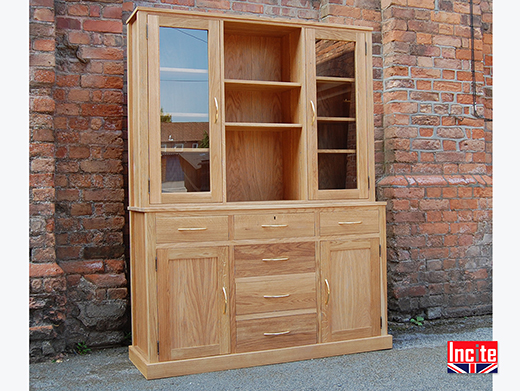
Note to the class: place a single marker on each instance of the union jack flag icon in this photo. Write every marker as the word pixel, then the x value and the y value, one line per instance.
pixel 472 368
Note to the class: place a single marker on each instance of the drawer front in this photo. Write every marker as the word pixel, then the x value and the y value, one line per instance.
pixel 273 226
pixel 274 259
pixel 191 229
pixel 350 221
pixel 275 293
pixel 276 332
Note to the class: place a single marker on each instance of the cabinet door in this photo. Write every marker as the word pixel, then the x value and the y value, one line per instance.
pixel 340 113
pixel 184 109
pixel 193 308
pixel 351 306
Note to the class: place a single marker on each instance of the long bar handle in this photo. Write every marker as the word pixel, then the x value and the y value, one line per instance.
pixel 328 291
pixel 276 296
pixel 216 109
pixel 192 229
pixel 274 225
pixel 313 112
pixel 225 299
pixel 349 222
pixel 278 333
pixel 275 259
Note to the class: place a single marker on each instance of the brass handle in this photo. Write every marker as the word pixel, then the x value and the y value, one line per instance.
pixel 328 291
pixel 274 225
pixel 225 299
pixel 278 333
pixel 276 296
pixel 275 259
pixel 349 222
pixel 192 229
pixel 313 112
pixel 216 109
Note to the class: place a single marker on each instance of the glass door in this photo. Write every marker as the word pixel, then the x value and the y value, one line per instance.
pixel 337 95
pixel 184 110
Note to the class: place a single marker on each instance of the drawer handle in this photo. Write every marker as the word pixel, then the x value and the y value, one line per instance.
pixel 275 259
pixel 274 225
pixel 225 299
pixel 276 296
pixel 328 291
pixel 192 229
pixel 349 222
pixel 278 333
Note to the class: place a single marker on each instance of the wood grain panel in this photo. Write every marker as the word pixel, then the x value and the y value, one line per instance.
pixel 275 293
pixel 274 259
pixel 252 57
pixel 188 303
pixel 352 295
pixel 254 106
pixel 275 225
pixel 190 229
pixel 254 166
pixel 294 330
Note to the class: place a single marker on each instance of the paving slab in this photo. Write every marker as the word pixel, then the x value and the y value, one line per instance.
pixel 416 362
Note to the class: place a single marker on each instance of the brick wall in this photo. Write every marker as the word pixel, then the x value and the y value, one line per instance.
pixel 437 157
pixel 433 157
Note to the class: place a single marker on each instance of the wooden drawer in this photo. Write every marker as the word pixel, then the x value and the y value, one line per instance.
pixel 272 226
pixel 272 332
pixel 274 259
pixel 350 221
pixel 275 293
pixel 191 229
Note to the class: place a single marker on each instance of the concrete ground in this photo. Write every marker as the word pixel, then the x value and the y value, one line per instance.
pixel 416 362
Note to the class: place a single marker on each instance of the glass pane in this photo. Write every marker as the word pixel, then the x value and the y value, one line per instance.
pixel 336 100
pixel 337 171
pixel 336 109
pixel 335 58
pixel 337 135
pixel 184 110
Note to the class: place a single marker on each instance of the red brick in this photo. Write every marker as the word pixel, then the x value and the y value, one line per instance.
pixel 104 195
pixel 112 12
pixel 78 37
pixel 463 228
pixel 77 10
pixel 103 53
pixel 117 293
pixel 43 15
pixel 101 110
pixel 82 267
pixel 107 280
pixel 44 76
pixel 43 104
pixel 103 26
pixel 115 265
pixel 248 7
pixel 434 204
pixel 44 270
pixel 46 45
pixel 67 80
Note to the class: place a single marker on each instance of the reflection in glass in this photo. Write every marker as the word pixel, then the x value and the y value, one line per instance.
pixel 336 109
pixel 184 90
pixel 335 58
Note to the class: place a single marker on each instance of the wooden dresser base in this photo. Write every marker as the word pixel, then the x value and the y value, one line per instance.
pixel 265 357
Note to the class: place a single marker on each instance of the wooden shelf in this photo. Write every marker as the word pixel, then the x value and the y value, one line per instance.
pixel 336 119
pixel 181 150
pixel 256 85
pixel 334 80
pixel 337 151
pixel 256 126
